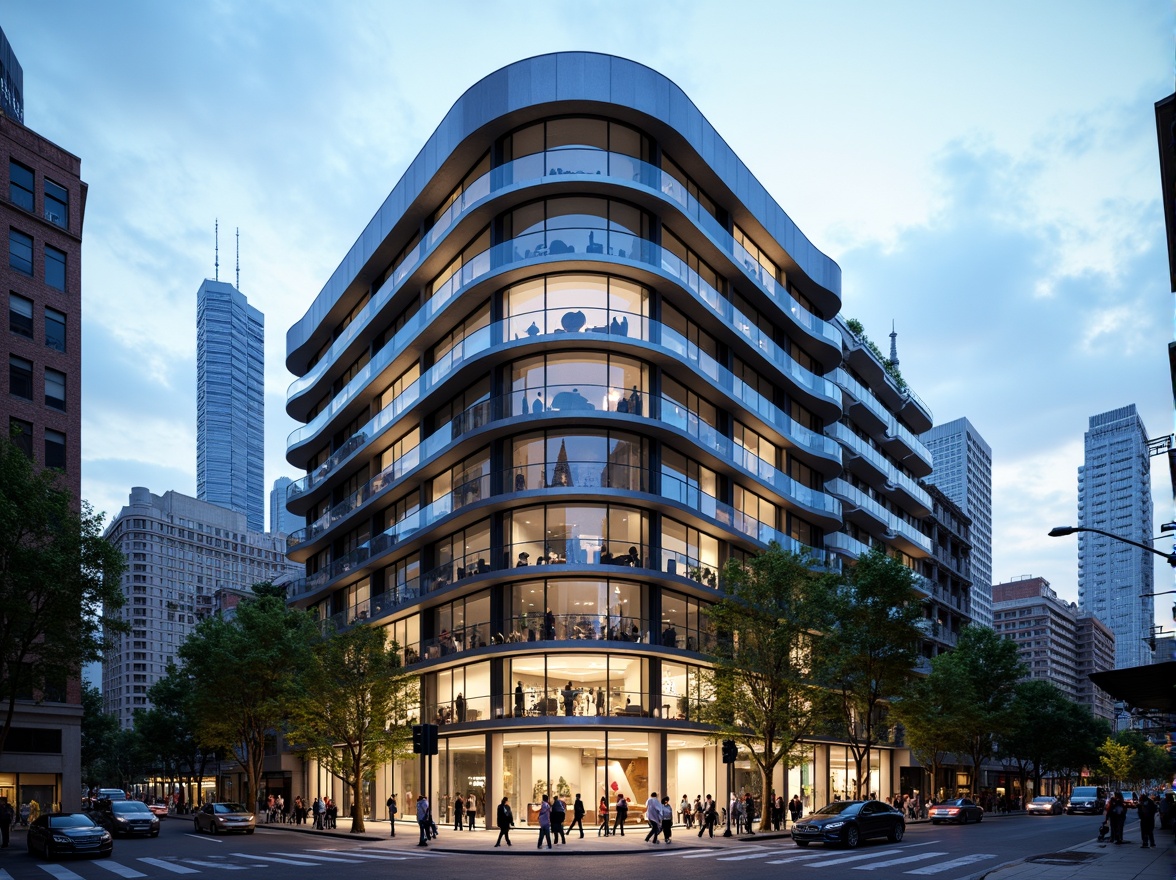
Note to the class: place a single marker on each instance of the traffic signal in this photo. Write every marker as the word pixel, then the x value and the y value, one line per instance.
pixel 429 740
pixel 418 739
pixel 730 751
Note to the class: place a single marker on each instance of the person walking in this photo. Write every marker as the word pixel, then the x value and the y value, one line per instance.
pixel 602 817
pixel 710 815
pixel 458 813
pixel 423 818
pixel 1116 817
pixel 622 814
pixel 559 812
pixel 545 822
pixel 684 811
pixel 653 817
pixel 471 810
pixel 504 821
pixel 7 815
pixel 795 808
pixel 667 818
pixel 578 816
pixel 392 812
pixel 1147 810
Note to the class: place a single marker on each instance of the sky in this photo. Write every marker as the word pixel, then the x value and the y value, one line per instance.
pixel 985 173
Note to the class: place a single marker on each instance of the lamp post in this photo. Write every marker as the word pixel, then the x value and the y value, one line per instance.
pixel 1062 531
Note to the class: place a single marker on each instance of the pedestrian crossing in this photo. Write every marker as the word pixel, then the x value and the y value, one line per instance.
pixel 136 868
pixel 918 859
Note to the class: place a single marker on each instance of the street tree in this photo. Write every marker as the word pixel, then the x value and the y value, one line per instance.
pixel 1115 760
pixel 171 724
pixel 761 689
pixel 986 668
pixel 1148 761
pixel 1030 741
pixel 99 739
pixel 867 653
pixel 351 708
pixel 931 712
pixel 242 670
pixel 59 583
pixel 1079 748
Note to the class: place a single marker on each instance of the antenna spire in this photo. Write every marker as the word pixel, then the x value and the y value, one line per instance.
pixel 238 285
pixel 216 250
pixel 893 345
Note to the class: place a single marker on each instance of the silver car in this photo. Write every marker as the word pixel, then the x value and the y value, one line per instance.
pixel 1044 806
pixel 219 817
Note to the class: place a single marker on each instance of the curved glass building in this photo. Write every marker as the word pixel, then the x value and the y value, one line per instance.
pixel 578 360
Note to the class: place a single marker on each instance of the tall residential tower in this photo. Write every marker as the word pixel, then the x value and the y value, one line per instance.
pixel 230 402
pixel 1114 494
pixel 963 471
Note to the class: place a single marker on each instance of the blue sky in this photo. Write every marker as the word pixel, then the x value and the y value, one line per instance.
pixel 985 174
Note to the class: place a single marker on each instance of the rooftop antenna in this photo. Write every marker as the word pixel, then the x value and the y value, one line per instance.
pixel 216 251
pixel 893 345
pixel 238 285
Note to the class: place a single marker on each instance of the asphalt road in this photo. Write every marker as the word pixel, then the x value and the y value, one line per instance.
pixel 944 852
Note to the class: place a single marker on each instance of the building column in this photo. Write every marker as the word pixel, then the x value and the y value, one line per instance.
pixel 495 789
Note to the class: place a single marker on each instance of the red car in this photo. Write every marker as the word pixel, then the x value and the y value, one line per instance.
pixel 159 810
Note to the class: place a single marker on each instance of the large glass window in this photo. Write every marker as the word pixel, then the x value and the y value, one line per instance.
pixel 689 553
pixel 463 553
pixel 576 145
pixel 56 204
pixel 579 684
pixel 20 433
pixel 576 224
pixel 478 319
pixel 684 409
pixel 54 330
pixel 20 377
pixel 688 482
pixel 454 696
pixel 577 304
pixel 600 610
pixel 407 634
pixel 579 382
pixel 20 185
pixel 464 483
pixel 461 625
pixel 55 389
pixel 683 690
pixel 472 262
pixel 684 622
pixel 20 252
pixel 587 534
pixel 20 315
pixel 613 459
pixel 54 267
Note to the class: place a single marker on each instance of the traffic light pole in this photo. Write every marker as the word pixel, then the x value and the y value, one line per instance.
pixel 730 791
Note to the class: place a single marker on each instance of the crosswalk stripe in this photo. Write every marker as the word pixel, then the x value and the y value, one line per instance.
pixel 169 866
pixel 382 858
pixel 917 857
pixel 954 863
pixel 59 872
pixel 224 866
pixel 794 858
pixel 275 859
pixel 308 854
pixel 758 855
pixel 841 860
pixel 714 852
pixel 422 853
pixel 121 870
pixel 678 852
pixel 4 875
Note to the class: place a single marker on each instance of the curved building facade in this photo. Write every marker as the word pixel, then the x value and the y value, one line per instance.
pixel 578 360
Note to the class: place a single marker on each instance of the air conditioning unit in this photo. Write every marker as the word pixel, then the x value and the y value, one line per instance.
pixel 52 218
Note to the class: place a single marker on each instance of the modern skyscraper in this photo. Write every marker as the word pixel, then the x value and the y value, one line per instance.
pixel 230 402
pixel 963 471
pixel 1114 494
pixel 281 519
pixel 579 360
pixel 43 211
pixel 181 553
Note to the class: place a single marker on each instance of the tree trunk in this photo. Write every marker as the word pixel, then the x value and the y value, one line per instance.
pixel 356 797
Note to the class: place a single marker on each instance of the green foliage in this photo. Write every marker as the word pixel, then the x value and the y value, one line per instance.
pixel 351 706
pixel 1141 763
pixel 891 368
pixel 99 739
pixel 1031 741
pixel 929 711
pixel 1115 760
pixel 762 693
pixel 242 671
pixel 59 581
pixel 868 651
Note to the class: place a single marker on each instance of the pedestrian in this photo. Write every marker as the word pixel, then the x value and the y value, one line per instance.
pixel 332 810
pixel 622 814
pixel 504 821
pixel 25 812
pixel 736 812
pixel 1147 820
pixel 319 811
pixel 578 816
pixel 710 815
pixel 559 812
pixel 392 812
pixel 471 810
pixel 602 817
pixel 653 817
pixel 667 818
pixel 458 813
pixel 545 822
pixel 1116 817
pixel 7 815
pixel 422 814
pixel 795 808
pixel 749 813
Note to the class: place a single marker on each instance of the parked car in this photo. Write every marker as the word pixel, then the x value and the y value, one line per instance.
pixel 216 818
pixel 1045 806
pixel 1129 799
pixel 126 817
pixel 159 810
pixel 848 823
pixel 68 834
pixel 111 794
pixel 960 810
pixel 1087 799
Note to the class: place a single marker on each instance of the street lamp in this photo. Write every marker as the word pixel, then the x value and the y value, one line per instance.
pixel 1062 531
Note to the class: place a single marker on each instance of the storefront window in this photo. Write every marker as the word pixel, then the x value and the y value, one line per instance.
pixel 456 696
pixel 461 769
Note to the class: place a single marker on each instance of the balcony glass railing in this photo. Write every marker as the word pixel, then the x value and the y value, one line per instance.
pixel 530 169
pixel 864 450
pixel 487 337
pixel 892 521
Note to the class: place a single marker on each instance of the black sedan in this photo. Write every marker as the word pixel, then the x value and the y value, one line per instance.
pixel 960 810
pixel 68 834
pixel 126 817
pixel 848 823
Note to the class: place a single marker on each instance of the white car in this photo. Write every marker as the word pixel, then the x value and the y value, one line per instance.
pixel 1045 806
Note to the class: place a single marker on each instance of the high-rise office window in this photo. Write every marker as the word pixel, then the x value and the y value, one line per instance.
pixel 20 377
pixel 54 449
pixel 54 330
pixel 20 315
pixel 21 434
pixel 55 389
pixel 55 267
pixel 20 252
pixel 20 185
pixel 56 204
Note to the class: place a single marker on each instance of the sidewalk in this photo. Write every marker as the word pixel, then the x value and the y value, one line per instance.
pixel 1093 859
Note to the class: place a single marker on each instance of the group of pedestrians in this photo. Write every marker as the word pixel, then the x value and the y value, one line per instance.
pixel 660 816
pixel 1115 816
pixel 552 815
pixel 464 810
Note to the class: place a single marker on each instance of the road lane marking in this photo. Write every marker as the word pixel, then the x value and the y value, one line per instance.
pixel 917 857
pixel 310 854
pixel 759 855
pixel 679 852
pixel 121 870
pixel 709 853
pixel 954 863
pixel 841 860
pixel 200 836
pixel 169 866
pixel 275 859
pixel 224 866
pixel 359 855
pixel 59 872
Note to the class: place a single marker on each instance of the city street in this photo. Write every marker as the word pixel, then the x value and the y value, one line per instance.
pixel 944 852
